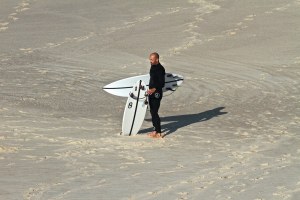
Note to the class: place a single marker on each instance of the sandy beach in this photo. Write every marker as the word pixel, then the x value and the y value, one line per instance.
pixel 232 129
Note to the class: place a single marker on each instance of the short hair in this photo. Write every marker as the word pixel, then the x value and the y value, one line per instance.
pixel 155 54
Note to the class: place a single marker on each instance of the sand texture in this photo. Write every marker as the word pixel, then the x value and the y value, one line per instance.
pixel 232 129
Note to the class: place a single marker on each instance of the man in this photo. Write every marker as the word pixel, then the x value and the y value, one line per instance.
pixel 156 83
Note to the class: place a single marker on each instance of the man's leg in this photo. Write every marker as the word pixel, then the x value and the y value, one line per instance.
pixel 154 107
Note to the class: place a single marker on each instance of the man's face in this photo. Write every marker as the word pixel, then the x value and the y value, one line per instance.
pixel 153 60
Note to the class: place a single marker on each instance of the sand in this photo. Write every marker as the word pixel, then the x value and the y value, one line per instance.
pixel 232 129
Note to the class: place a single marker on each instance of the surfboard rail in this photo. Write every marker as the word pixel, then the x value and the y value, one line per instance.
pixel 123 87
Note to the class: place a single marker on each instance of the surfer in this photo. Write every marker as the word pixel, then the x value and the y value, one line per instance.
pixel 156 83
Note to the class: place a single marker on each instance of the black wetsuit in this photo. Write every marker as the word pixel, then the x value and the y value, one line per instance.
pixel 157 81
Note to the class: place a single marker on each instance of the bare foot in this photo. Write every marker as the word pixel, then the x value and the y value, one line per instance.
pixel 152 134
pixel 157 135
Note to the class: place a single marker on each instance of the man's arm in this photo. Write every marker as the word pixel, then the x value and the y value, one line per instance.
pixel 152 83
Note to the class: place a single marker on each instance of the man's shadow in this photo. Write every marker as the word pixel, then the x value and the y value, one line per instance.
pixel 180 121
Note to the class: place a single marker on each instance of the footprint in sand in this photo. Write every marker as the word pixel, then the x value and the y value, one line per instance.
pixel 282 192
pixel 5 149
pixel 283 8
pixel 13 18
pixel 249 18
pixel 173 10
pixel 3 28
pixel 239 26
pixel 4 24
pixel 231 32
pixel 23 6
pixel 144 19
pixel 297 60
pixel 183 195
pixel 280 9
pixel 26 49
pixel 53 45
pixel 23 9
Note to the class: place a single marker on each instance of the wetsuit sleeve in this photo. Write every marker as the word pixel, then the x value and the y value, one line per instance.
pixel 161 78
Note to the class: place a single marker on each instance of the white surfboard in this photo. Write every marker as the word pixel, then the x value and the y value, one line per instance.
pixel 123 87
pixel 135 109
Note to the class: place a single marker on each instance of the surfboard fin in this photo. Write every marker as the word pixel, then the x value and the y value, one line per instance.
pixel 170 89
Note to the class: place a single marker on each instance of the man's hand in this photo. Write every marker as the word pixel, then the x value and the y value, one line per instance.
pixel 151 91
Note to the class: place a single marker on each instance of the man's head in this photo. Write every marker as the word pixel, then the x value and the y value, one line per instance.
pixel 154 58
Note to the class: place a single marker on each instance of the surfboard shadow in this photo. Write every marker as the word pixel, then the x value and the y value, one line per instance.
pixel 180 121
